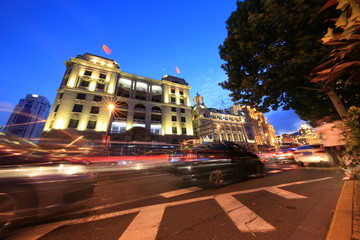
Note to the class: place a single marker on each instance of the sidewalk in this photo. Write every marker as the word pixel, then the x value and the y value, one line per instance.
pixel 346 221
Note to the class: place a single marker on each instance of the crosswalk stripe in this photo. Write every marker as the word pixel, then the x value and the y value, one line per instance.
pixel 145 225
pixel 283 193
pixel 244 219
pixel 180 192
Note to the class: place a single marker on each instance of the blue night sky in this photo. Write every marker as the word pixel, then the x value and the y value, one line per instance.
pixel 148 38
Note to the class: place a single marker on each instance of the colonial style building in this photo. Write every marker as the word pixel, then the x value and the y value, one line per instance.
pixel 240 124
pixel 28 118
pixel 96 99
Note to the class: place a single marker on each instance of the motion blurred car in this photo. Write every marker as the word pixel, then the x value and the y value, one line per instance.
pixel 215 162
pixel 35 182
pixel 285 155
pixel 312 154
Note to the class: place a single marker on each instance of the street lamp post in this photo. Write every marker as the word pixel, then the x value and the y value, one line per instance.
pixel 218 126
pixel 111 108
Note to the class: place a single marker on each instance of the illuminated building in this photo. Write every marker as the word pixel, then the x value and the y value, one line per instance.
pixel 239 123
pixel 28 118
pixel 146 109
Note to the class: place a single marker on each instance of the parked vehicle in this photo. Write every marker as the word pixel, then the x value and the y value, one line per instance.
pixel 36 182
pixel 285 155
pixel 312 154
pixel 215 162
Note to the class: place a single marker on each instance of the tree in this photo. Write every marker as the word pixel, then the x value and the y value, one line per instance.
pixel 344 60
pixel 270 50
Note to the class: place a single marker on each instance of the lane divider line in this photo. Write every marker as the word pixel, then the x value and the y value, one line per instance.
pixel 283 193
pixel 180 192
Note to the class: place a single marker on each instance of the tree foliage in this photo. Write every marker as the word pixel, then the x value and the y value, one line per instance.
pixel 270 50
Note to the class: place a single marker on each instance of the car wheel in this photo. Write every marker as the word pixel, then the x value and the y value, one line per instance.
pixel 259 170
pixel 7 210
pixel 217 178
pixel 14 204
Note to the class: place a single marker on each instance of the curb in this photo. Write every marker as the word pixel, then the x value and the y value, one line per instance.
pixel 341 225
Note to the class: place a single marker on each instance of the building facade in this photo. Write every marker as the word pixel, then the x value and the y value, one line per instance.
pixel 239 124
pixel 28 118
pixel 144 109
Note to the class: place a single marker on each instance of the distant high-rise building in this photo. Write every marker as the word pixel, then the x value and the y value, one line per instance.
pixel 28 118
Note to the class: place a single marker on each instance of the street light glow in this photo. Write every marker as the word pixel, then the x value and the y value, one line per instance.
pixel 111 107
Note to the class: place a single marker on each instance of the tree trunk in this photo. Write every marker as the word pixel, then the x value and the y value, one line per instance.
pixel 337 103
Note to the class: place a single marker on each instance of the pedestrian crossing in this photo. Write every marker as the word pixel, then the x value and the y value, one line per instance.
pixel 147 221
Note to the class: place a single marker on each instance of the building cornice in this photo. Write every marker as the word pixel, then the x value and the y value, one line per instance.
pixel 92 65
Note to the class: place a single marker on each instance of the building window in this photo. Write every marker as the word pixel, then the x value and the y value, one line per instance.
pixel 173 109
pixel 173 118
pixel 87 73
pixel 100 86
pixel 95 110
pixel 172 90
pixel 182 110
pixel 182 100
pixel 91 125
pixel 174 129
pixel 97 98
pixel 103 76
pixel 183 119
pixel 77 108
pixel 181 92
pixel 84 83
pixel 81 96
pixel 173 100
pixel 61 95
pixel 56 108
pixel 183 130
pixel 73 123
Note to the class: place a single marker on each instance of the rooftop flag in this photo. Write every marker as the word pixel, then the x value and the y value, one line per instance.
pixel 106 49
pixel 177 70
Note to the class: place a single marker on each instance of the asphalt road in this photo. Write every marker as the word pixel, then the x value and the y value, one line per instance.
pixel 287 203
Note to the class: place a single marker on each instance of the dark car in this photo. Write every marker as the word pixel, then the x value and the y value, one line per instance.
pixel 215 161
pixel 36 182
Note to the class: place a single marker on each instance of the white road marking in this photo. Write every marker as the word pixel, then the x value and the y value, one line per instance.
pixel 180 192
pixel 36 232
pixel 145 225
pixel 283 193
pixel 287 168
pixel 274 171
pixel 244 219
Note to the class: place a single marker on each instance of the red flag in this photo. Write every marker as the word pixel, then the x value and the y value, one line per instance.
pixel 177 70
pixel 106 49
